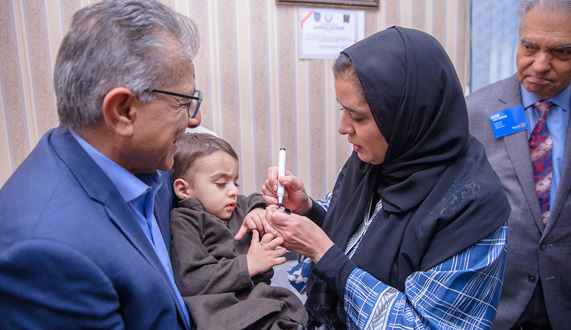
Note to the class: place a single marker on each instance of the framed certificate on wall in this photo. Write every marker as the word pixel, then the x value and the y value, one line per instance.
pixel 324 32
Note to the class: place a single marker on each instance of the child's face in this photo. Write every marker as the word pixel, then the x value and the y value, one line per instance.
pixel 214 184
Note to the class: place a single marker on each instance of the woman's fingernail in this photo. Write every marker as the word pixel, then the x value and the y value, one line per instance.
pixel 287 211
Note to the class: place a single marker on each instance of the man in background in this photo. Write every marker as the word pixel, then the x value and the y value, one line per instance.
pixel 84 235
pixel 523 122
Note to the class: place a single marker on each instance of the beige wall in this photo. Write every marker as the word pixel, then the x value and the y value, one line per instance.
pixel 258 95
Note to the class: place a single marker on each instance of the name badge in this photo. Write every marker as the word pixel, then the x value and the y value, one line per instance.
pixel 508 121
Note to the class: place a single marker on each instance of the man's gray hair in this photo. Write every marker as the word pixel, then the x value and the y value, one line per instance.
pixel 549 5
pixel 136 44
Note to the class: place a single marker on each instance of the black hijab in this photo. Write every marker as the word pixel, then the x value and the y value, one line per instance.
pixel 439 192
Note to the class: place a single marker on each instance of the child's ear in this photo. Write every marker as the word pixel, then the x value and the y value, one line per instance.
pixel 182 189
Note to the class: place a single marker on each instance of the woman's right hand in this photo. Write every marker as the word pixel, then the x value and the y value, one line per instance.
pixel 300 234
pixel 295 197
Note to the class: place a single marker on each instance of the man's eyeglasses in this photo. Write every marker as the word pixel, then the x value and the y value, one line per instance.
pixel 192 106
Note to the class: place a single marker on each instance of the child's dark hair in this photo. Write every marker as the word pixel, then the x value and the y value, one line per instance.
pixel 193 146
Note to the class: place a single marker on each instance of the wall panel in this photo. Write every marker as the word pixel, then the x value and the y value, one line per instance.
pixel 13 71
pixel 259 95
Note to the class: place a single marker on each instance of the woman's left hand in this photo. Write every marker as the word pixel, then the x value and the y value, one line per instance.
pixel 300 234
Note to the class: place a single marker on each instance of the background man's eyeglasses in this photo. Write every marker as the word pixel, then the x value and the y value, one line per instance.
pixel 192 106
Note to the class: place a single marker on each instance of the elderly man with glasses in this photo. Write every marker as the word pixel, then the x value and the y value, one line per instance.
pixel 84 236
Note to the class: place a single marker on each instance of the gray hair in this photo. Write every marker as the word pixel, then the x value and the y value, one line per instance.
pixel 136 44
pixel 344 69
pixel 549 5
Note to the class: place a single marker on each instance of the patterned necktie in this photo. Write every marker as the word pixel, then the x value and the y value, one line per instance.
pixel 540 146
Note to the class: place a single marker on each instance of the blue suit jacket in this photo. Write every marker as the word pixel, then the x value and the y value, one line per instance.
pixel 72 254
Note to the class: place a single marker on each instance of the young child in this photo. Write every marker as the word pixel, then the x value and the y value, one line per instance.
pixel 224 283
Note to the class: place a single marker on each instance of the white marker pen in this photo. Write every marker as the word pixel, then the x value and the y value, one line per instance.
pixel 281 172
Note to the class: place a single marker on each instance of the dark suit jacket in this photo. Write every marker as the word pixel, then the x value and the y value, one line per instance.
pixel 72 254
pixel 535 251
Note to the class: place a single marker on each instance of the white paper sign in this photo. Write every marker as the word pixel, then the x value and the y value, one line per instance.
pixel 325 32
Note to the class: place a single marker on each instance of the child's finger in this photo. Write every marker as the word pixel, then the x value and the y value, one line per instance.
pixel 267 238
pixel 276 242
pixel 255 237
pixel 280 260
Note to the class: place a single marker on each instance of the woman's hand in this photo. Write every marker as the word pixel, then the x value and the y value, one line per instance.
pixel 295 197
pixel 300 234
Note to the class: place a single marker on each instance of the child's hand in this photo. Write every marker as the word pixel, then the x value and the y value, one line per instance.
pixel 264 254
pixel 254 220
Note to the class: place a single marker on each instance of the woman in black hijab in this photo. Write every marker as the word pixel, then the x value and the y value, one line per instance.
pixel 414 236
